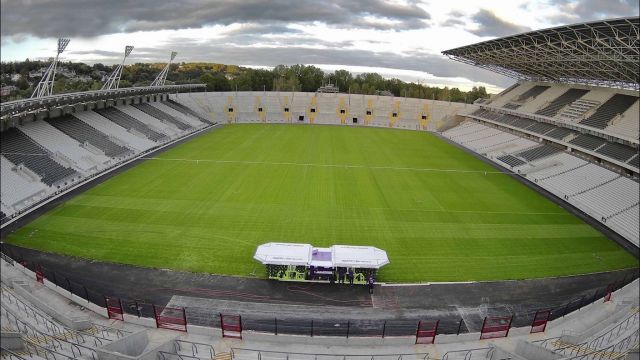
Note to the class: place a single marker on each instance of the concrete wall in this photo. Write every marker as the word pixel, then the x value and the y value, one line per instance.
pixel 141 345
pixel 534 352
pixel 68 319
pixel 11 340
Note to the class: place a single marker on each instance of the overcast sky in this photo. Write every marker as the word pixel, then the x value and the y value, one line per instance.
pixel 397 38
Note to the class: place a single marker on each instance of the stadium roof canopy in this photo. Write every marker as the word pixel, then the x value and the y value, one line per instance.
pixel 602 53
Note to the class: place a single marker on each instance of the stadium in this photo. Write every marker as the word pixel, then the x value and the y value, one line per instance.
pixel 132 217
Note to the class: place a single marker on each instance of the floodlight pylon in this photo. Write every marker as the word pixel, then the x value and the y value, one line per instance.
pixel 162 76
pixel 113 81
pixel 45 86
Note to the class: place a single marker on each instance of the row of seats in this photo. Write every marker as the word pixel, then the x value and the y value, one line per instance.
pixel 561 101
pixel 21 150
pixel 601 193
pixel 43 157
pixel 158 114
pixel 83 133
pixel 538 152
pixel 616 105
pixel 185 110
pixel 129 122
pixel 622 153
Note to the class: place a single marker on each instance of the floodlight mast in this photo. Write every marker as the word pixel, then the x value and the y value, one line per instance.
pixel 162 76
pixel 45 86
pixel 113 81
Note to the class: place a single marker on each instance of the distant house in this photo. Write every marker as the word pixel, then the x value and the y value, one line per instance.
pixel 329 88
pixel 37 73
pixel 8 90
pixel 15 77
pixel 84 78
pixel 384 93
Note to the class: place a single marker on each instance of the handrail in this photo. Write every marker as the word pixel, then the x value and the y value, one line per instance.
pixel 425 356
pixel 468 353
pixel 52 339
pixel 79 336
pixel 163 355
pixel 593 343
pixel 194 347
pixel 11 354
pixel 109 329
pixel 611 350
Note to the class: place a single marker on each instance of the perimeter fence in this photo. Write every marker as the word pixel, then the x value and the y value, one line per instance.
pixel 279 325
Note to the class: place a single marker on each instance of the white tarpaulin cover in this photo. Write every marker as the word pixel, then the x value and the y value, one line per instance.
pixel 283 254
pixel 359 256
pixel 338 255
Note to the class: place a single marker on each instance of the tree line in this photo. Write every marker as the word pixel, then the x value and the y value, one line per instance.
pixel 221 77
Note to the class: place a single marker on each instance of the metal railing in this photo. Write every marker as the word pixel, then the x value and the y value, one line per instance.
pixel 22 105
pixel 36 337
pixel 269 354
pixel 194 346
pixel 555 344
pixel 165 355
pixel 615 351
pixel 56 330
pixel 469 354
pixel 10 355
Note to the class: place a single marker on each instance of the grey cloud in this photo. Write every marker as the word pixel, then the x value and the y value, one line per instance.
pixel 454 19
pixel 437 65
pixel 91 18
pixel 573 11
pixel 104 53
pixel 491 25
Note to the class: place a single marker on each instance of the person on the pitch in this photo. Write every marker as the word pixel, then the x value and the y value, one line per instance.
pixel 371 284
pixel 341 273
pixel 350 276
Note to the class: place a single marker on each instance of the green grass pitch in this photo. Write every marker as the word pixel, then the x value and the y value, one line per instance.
pixel 205 205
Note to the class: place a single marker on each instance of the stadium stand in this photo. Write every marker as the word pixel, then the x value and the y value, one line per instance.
pixel 613 107
pixel 21 150
pixel 18 189
pixel 58 143
pixel 589 142
pixel 617 151
pixel 115 133
pixel 511 160
pixel 132 124
pixel 561 101
pixel 185 118
pixel 168 129
pixel 576 110
pixel 89 136
pixel 186 110
pixel 162 116
pixel 559 133
pixel 538 152
pixel 526 96
pixel 581 183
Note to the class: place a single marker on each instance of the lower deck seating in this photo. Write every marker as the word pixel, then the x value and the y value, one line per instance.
pixel 589 142
pixel 538 152
pixel 617 151
pixel 511 160
pixel 84 133
pixel 161 115
pixel 601 193
pixel 129 122
pixel 183 109
pixel 21 150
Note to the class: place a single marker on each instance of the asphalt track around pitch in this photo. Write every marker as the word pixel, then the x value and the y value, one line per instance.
pixel 296 305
